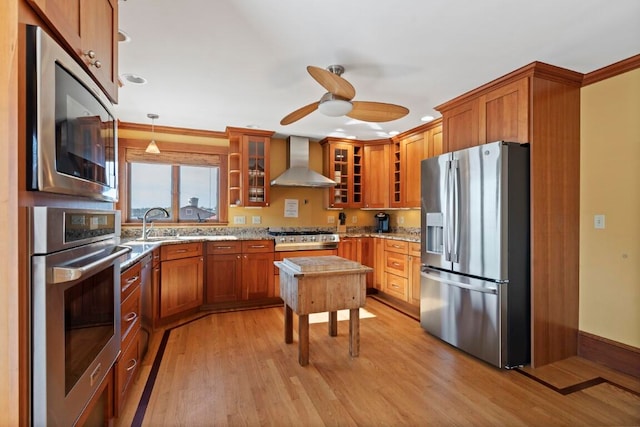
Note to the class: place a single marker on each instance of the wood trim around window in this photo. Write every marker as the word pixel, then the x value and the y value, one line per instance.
pixel 177 153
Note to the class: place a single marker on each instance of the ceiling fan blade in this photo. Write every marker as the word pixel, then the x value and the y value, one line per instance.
pixel 299 113
pixel 332 82
pixel 376 111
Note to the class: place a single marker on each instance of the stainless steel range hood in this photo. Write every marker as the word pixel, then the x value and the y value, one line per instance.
pixel 298 173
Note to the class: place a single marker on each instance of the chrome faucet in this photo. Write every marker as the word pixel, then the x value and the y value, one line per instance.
pixel 145 232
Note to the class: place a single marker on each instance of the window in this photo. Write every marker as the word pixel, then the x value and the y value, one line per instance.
pixel 190 183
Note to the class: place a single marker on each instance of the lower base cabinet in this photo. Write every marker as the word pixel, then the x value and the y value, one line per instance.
pixel 181 278
pixel 239 271
pixel 397 269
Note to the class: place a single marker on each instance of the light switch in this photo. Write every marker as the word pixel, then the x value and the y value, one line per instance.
pixel 331 219
pixel 598 221
pixel 239 219
pixel 256 219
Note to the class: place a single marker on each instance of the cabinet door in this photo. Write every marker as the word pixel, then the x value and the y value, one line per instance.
pixel 181 285
pixel 63 16
pixel 414 151
pixel 414 274
pixel 434 142
pixel 344 164
pixel 256 158
pixel 378 264
pixel 257 275
pixel 460 126
pixel 348 248
pixel 376 176
pixel 365 256
pixel 99 29
pixel 224 278
pixel 504 113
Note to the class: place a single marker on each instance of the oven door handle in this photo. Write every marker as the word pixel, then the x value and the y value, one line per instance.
pixel 68 274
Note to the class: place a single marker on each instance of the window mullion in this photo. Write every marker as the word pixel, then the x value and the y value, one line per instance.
pixel 175 192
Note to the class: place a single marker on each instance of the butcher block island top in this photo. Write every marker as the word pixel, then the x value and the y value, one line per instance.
pixel 319 284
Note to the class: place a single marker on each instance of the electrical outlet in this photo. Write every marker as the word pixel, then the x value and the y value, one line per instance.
pixel 400 220
pixel 239 219
pixel 598 221
pixel 331 219
pixel 256 219
pixel 354 219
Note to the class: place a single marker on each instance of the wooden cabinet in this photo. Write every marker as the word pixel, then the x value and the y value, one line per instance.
pixel 128 363
pixel 378 263
pixel 343 163
pixel 407 151
pixel 413 276
pixel 89 29
pixel 257 269
pixel 240 271
pixel 539 104
pixel 376 176
pixel 249 167
pixel 358 249
pixel 181 278
pixel 224 272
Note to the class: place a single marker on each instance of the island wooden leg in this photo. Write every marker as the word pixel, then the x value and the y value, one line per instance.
pixel 333 323
pixel 288 324
pixel 303 339
pixel 354 332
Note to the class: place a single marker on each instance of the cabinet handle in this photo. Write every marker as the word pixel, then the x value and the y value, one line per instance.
pixel 396 246
pixel 91 54
pixel 395 264
pixel 179 251
pixel 257 246
pixel 395 286
pixel 222 247
pixel 132 365
pixel 245 257
pixel 97 64
pixel 129 282
pixel 238 257
pixel 130 317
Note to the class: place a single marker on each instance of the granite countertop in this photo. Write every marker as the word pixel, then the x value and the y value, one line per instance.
pixel 140 248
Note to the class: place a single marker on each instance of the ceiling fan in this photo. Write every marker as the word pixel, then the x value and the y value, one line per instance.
pixel 338 100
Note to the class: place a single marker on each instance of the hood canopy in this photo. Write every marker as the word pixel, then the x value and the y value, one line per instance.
pixel 298 173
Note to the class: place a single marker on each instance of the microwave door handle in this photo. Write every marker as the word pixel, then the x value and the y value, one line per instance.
pixel 68 274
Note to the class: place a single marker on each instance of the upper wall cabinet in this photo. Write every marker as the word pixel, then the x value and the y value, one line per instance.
pixel 249 165
pixel 376 175
pixel 343 163
pixel 89 29
pixel 497 114
pixel 407 152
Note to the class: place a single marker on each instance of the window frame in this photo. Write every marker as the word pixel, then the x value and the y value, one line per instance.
pixel 176 154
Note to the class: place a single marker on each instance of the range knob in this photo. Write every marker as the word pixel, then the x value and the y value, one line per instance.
pixel 283 239
pixel 313 238
pixel 303 239
pixel 292 239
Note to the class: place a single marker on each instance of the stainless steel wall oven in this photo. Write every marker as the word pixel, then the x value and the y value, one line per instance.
pixel 75 309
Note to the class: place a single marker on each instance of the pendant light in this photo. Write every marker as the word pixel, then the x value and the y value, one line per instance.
pixel 152 147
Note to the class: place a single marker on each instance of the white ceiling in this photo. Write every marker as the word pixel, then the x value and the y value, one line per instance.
pixel 214 63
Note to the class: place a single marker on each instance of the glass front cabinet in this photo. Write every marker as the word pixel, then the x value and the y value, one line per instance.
pixel 249 167
pixel 343 163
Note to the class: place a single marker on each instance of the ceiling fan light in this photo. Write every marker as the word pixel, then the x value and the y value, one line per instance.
pixel 335 107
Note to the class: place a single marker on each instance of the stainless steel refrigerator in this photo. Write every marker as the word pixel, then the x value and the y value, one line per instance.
pixel 475 278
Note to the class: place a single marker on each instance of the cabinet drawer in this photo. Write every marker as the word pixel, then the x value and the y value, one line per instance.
pixel 398 246
pixel 396 264
pixel 184 250
pixel 396 286
pixel 253 246
pixel 129 279
pixel 414 249
pixel 130 317
pixel 127 367
pixel 221 248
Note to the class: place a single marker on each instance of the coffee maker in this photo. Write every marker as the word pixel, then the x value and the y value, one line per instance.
pixel 382 222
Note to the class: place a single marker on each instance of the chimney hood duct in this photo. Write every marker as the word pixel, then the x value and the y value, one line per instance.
pixel 298 173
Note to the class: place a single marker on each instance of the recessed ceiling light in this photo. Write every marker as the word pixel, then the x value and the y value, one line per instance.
pixel 427 118
pixel 252 126
pixel 123 37
pixel 134 78
pixel 393 133
pixel 350 137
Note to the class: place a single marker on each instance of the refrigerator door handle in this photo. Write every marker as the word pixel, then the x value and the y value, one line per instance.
pixel 440 279
pixel 455 166
pixel 447 213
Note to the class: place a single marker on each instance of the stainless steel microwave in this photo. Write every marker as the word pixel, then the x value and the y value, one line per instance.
pixel 71 127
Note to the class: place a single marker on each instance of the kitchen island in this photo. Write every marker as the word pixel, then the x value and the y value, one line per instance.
pixel 319 284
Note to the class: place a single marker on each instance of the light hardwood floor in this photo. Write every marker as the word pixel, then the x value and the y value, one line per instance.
pixel 234 368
